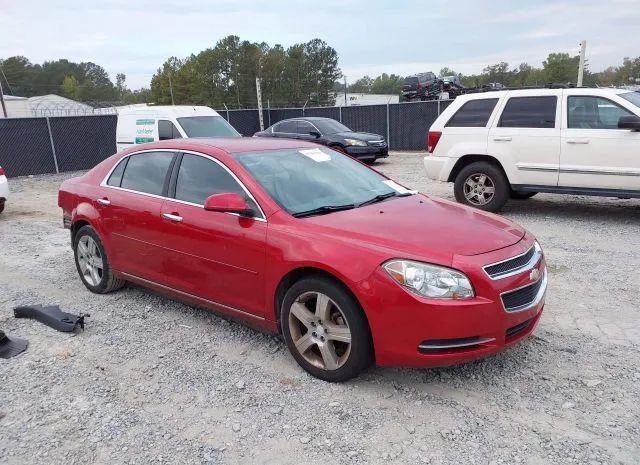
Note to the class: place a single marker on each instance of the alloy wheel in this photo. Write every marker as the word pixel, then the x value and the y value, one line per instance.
pixel 90 260
pixel 319 331
pixel 479 189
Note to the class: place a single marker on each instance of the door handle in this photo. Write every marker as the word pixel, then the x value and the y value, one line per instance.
pixel 172 217
pixel 502 138
pixel 104 201
pixel 577 141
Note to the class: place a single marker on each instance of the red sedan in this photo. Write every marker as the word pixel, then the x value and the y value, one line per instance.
pixel 351 267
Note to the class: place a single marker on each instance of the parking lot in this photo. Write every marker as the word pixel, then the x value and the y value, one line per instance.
pixel 152 380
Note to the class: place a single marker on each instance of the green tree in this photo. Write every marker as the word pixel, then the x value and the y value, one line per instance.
pixel 387 84
pixel 361 86
pixel 561 68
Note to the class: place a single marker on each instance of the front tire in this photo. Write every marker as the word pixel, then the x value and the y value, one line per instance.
pixel 482 185
pixel 92 262
pixel 325 329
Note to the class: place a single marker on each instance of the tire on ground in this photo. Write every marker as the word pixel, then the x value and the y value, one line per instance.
pixel 361 352
pixel 108 282
pixel 502 189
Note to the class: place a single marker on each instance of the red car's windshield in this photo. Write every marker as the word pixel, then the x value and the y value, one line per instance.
pixel 307 179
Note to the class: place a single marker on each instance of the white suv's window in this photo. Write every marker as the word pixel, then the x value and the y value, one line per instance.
pixel 529 112
pixel 473 114
pixel 587 112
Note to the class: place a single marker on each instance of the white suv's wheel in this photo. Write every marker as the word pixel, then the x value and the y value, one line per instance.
pixel 483 186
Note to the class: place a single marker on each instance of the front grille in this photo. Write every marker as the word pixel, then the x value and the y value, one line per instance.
pixel 511 265
pixel 377 143
pixel 523 297
pixel 517 329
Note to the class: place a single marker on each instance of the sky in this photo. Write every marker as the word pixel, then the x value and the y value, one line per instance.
pixel 371 37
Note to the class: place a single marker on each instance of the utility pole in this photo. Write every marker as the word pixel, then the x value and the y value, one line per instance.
pixel 345 91
pixel 4 109
pixel 583 49
pixel 259 95
pixel 171 90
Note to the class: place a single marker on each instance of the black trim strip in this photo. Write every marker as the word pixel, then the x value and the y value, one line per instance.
pixel 577 190
pixel 121 142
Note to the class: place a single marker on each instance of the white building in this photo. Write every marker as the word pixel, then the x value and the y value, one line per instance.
pixel 365 99
pixel 17 107
pixel 55 105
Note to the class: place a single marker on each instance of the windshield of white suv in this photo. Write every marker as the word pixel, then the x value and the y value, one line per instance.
pixel 313 181
pixel 207 126
pixel 633 97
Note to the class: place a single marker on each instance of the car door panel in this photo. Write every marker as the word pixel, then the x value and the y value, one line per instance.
pixel 595 154
pixel 214 255
pixel 529 150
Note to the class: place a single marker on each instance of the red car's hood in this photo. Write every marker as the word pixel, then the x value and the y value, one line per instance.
pixel 422 227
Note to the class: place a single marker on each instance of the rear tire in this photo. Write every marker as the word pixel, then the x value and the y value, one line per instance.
pixel 522 195
pixel 483 186
pixel 325 329
pixel 92 262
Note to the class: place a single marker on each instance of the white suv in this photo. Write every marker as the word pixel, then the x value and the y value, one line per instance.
pixel 516 143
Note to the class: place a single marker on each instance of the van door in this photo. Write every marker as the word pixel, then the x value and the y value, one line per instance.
pixel 526 138
pixel 595 153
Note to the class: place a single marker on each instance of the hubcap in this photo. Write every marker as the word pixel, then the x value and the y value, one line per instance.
pixel 90 260
pixel 479 189
pixel 319 331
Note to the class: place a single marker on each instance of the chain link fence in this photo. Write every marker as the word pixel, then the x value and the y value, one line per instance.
pixel 404 125
pixel 55 144
pixel 69 143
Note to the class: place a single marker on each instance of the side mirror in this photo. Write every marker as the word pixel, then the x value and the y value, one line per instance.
pixel 629 122
pixel 315 134
pixel 229 202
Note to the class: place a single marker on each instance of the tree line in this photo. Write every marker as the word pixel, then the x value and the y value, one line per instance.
pixel 302 74
pixel 226 75
pixel 558 68
pixel 84 82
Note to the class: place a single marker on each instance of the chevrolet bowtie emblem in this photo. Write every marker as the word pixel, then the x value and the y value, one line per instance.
pixel 534 275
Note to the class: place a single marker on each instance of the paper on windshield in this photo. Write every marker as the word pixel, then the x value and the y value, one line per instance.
pixel 316 155
pixel 398 188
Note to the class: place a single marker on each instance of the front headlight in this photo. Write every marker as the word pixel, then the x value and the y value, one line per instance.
pixel 435 282
pixel 359 143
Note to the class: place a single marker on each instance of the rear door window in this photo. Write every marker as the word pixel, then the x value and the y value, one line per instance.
pixel 529 112
pixel 147 172
pixel 473 114
pixel 305 128
pixel 116 175
pixel 287 127
pixel 167 130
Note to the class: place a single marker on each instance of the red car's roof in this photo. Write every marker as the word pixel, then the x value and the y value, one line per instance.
pixel 228 144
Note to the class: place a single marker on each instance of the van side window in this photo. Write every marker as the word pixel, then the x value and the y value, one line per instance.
pixel 529 112
pixel 167 130
pixel 473 114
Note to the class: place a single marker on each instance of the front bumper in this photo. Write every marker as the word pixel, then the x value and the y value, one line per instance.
pixel 367 153
pixel 412 331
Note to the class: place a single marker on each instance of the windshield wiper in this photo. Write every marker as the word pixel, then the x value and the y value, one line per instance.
pixel 381 197
pixel 324 209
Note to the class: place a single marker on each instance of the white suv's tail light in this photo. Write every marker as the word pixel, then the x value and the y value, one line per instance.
pixel 433 137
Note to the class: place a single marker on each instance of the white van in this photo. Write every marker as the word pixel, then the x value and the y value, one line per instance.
pixel 140 124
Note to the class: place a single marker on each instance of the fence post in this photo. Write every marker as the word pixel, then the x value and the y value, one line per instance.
pixel 438 107
pixel 53 147
pixel 269 111
pixel 388 130
pixel 340 108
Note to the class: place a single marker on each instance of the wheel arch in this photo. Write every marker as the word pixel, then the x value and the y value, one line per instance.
pixel 471 158
pixel 302 272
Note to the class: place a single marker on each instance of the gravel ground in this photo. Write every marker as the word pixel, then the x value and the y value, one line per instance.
pixel 154 381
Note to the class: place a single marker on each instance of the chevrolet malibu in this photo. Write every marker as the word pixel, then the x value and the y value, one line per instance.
pixel 349 266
